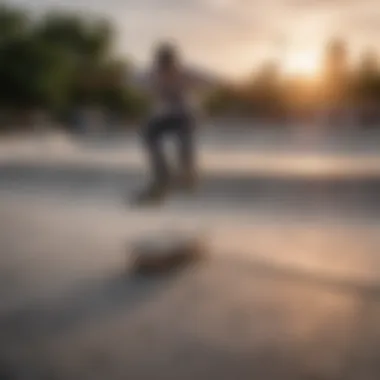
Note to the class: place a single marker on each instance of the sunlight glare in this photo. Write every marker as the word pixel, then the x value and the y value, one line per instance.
pixel 303 63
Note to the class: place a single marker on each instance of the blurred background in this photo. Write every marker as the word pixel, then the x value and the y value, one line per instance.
pixel 70 62
pixel 289 198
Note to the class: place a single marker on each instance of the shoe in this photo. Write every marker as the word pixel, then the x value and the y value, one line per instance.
pixel 152 195
pixel 187 182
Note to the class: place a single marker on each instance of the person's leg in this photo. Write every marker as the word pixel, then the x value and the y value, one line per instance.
pixel 152 137
pixel 185 135
pixel 153 140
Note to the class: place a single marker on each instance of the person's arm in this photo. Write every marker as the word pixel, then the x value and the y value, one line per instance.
pixel 198 89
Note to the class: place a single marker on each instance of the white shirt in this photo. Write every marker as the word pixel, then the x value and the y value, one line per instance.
pixel 175 94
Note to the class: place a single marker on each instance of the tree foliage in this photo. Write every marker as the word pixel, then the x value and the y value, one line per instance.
pixel 58 61
pixel 339 85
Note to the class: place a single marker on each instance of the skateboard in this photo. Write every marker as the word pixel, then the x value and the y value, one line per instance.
pixel 167 250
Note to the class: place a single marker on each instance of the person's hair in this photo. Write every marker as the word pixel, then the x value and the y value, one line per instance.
pixel 167 56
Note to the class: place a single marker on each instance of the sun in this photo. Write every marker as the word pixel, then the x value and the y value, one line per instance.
pixel 304 63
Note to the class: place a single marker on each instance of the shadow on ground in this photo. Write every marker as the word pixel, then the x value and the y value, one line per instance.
pixel 249 319
pixel 343 196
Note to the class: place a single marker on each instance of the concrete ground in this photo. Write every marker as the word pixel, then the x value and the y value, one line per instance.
pixel 289 290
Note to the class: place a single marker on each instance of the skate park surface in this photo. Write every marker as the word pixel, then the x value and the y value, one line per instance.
pixel 289 288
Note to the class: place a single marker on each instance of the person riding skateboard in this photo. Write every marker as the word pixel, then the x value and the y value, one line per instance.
pixel 174 115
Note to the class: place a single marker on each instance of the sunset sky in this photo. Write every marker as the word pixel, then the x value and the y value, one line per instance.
pixel 231 36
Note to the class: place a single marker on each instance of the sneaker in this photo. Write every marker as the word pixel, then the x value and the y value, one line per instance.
pixel 187 181
pixel 152 195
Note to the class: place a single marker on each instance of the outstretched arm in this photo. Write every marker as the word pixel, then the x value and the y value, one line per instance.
pixel 199 90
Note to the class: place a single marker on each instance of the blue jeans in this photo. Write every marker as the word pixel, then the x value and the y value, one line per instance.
pixel 181 127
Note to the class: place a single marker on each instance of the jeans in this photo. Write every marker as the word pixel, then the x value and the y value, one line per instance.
pixel 181 127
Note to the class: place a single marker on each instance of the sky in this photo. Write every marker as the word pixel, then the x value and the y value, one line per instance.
pixel 231 37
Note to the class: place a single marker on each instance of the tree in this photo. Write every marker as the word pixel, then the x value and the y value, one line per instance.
pixel 369 63
pixel 367 86
pixel 59 61
pixel 336 73
pixel 84 39
pixel 368 77
pixel 13 24
pixel 266 90
pixel 86 46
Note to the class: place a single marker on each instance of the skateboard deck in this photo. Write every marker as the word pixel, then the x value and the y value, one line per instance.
pixel 167 250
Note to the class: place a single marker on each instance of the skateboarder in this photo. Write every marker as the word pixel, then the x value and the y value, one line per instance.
pixel 173 116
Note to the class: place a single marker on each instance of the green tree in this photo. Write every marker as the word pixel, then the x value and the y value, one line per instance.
pixel 59 61
pixel 86 40
pixel 13 24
